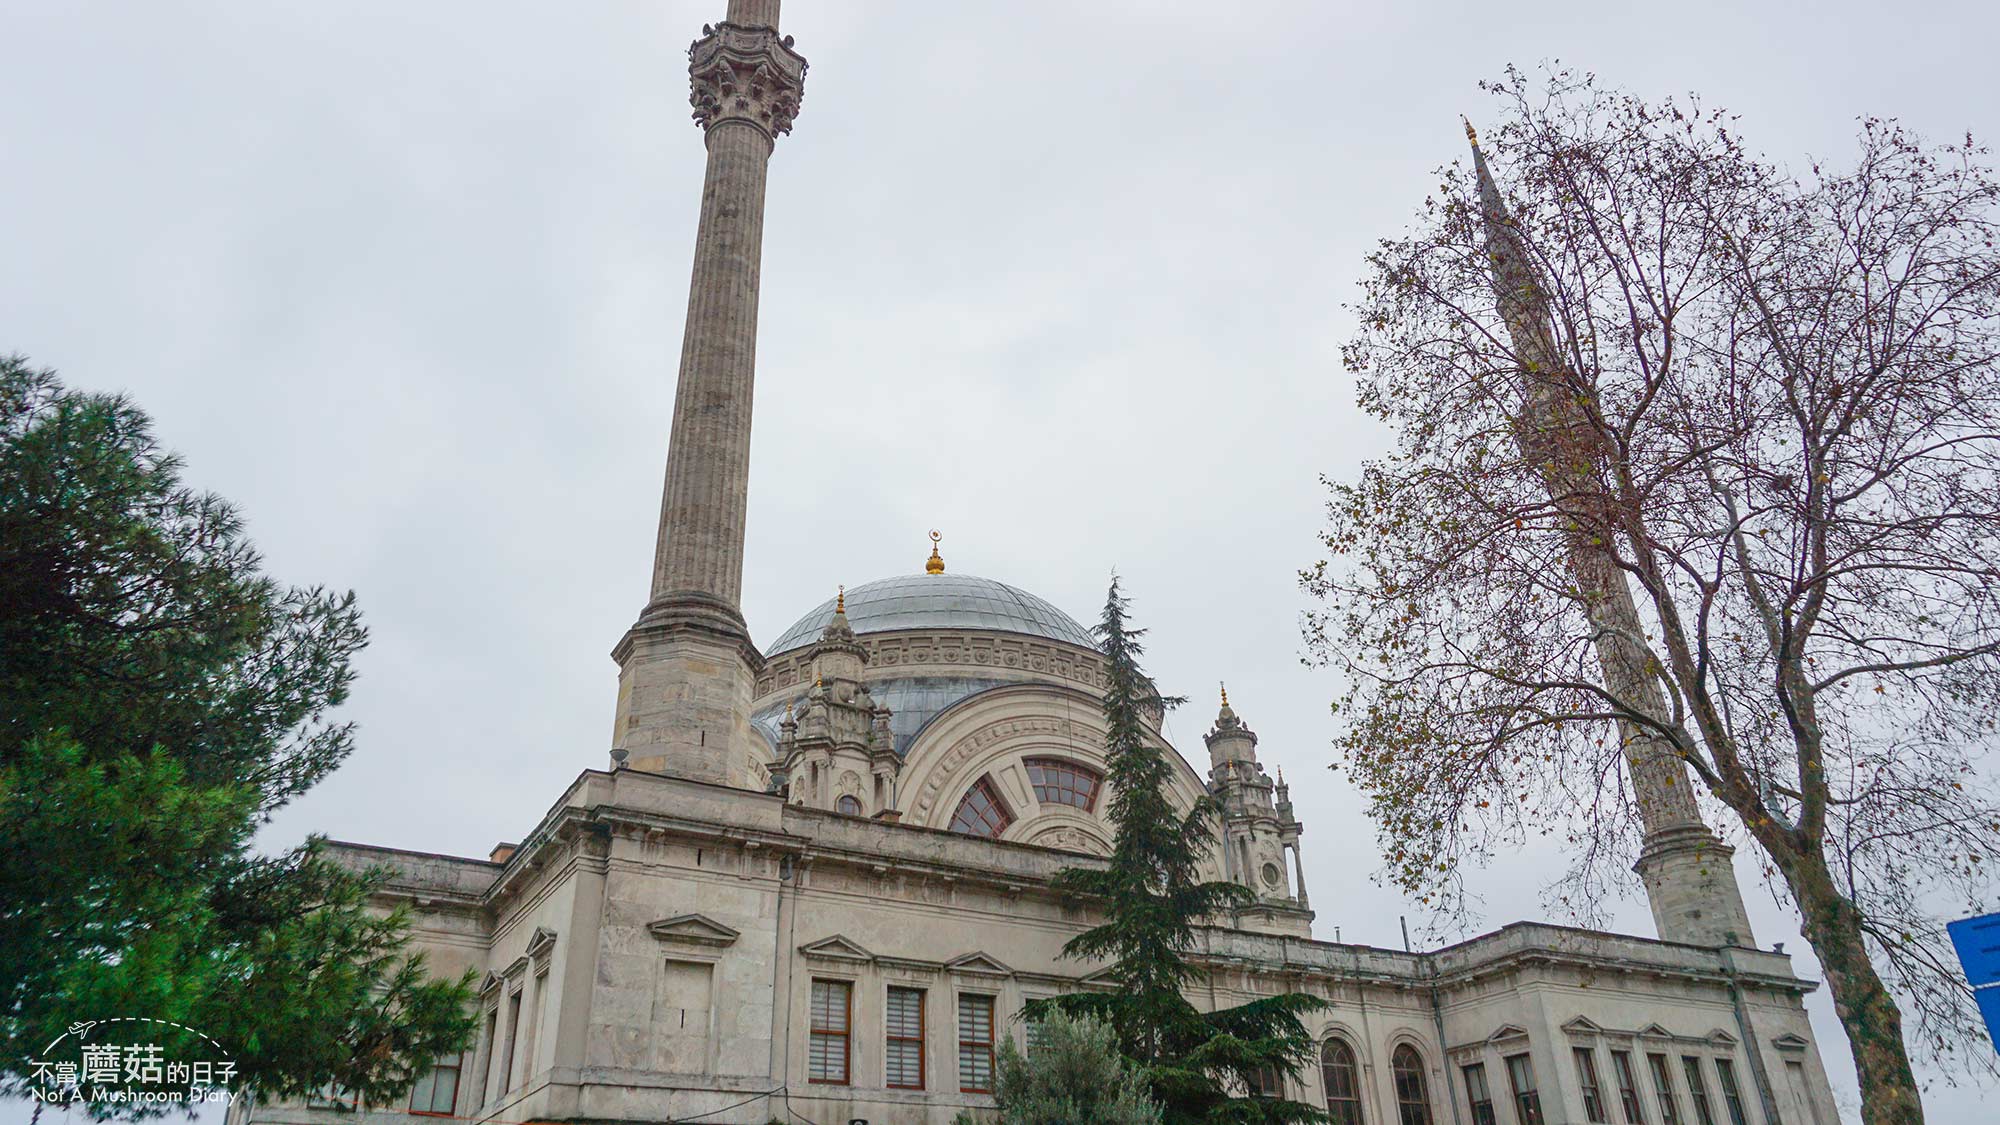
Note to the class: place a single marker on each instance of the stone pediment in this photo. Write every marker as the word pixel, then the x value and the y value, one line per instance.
pixel 836 948
pixel 490 981
pixel 1582 1025
pixel 543 940
pixel 979 965
pixel 1790 1042
pixel 1507 1031
pixel 1654 1031
pixel 693 929
pixel 1720 1038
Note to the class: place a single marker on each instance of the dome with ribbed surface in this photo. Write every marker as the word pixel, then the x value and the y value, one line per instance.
pixel 939 601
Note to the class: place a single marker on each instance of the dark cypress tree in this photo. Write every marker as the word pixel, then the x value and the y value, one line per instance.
pixel 1198 1065
pixel 160 697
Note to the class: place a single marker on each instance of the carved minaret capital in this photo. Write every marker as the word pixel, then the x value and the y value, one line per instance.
pixel 745 75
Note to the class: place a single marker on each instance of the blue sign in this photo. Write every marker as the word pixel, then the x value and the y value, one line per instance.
pixel 1978 943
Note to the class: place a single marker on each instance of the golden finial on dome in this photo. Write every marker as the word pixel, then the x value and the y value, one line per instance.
pixel 840 601
pixel 1471 134
pixel 1225 695
pixel 936 563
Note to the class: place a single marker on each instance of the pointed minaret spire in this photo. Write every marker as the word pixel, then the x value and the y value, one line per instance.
pixel 1687 872
pixel 686 668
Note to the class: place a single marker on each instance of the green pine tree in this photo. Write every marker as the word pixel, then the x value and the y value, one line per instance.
pixel 1198 1065
pixel 1075 1077
pixel 160 698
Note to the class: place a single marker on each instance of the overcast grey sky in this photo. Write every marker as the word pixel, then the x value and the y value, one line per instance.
pixel 406 281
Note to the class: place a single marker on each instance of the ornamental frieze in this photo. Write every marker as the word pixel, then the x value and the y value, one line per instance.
pixel 793 669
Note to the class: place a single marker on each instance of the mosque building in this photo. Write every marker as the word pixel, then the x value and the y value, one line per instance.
pixel 811 882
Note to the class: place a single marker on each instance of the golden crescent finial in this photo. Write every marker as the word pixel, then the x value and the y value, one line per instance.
pixel 840 601
pixel 935 564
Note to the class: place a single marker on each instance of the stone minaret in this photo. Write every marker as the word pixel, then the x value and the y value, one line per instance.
pixel 1258 835
pixel 1690 880
pixel 687 666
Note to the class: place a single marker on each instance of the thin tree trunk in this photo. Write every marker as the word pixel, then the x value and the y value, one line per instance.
pixel 1867 1011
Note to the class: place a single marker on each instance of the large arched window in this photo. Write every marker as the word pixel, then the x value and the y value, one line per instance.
pixel 1060 782
pixel 982 812
pixel 1413 1103
pixel 1343 1085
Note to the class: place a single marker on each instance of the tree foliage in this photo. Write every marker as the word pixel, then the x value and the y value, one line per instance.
pixel 1075 1077
pixel 1196 1064
pixel 1783 390
pixel 160 698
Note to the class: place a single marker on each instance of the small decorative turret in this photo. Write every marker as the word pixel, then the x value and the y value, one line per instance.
pixel 840 753
pixel 1259 835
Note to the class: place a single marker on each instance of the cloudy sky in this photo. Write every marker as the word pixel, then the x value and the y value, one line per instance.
pixel 1065 281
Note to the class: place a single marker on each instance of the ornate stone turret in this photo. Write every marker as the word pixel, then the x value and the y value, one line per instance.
pixel 1259 836
pixel 1690 881
pixel 838 752
pixel 687 666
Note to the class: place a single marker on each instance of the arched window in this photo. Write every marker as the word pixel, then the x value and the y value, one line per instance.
pixel 1413 1104
pixel 982 812
pixel 1059 782
pixel 849 804
pixel 1343 1086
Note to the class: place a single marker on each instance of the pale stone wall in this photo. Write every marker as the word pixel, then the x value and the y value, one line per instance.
pixel 679 927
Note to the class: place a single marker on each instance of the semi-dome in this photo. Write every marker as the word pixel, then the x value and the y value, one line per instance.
pixel 939 601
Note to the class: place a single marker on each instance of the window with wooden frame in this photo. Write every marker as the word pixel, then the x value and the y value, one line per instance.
pixel 1477 1093
pixel 905 1051
pixel 513 1037
pixel 1337 1074
pixel 436 1092
pixel 1698 1090
pixel 1663 1089
pixel 1732 1098
pixel 1527 1099
pixel 975 1044
pixel 981 812
pixel 832 1017
pixel 1267 1082
pixel 1586 1077
pixel 1628 1088
pixel 1413 1099
pixel 1061 782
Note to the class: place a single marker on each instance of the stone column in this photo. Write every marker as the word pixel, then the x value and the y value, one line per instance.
pixel 687 666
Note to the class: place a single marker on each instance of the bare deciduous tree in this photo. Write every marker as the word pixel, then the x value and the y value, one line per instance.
pixel 1768 407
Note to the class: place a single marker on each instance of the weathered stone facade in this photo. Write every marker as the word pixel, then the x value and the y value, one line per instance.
pixel 873 811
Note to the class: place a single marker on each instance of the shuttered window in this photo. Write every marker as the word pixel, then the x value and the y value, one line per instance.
pixel 975 1044
pixel 905 1053
pixel 832 1015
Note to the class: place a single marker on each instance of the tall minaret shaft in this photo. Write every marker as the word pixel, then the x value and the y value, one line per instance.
pixel 1689 879
pixel 687 665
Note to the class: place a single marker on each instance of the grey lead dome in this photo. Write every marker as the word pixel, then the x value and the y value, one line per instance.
pixel 939 601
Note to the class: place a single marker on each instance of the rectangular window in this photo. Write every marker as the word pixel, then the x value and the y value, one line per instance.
pixel 488 1043
pixel 1628 1088
pixel 1477 1093
pixel 1725 1071
pixel 832 1015
pixel 1586 1076
pixel 1266 1082
pixel 1795 1076
pixel 975 1044
pixel 1698 1090
pixel 536 1010
pixel 1038 1039
pixel 905 1053
pixel 1527 1101
pixel 1663 1088
pixel 437 1091
pixel 513 1035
